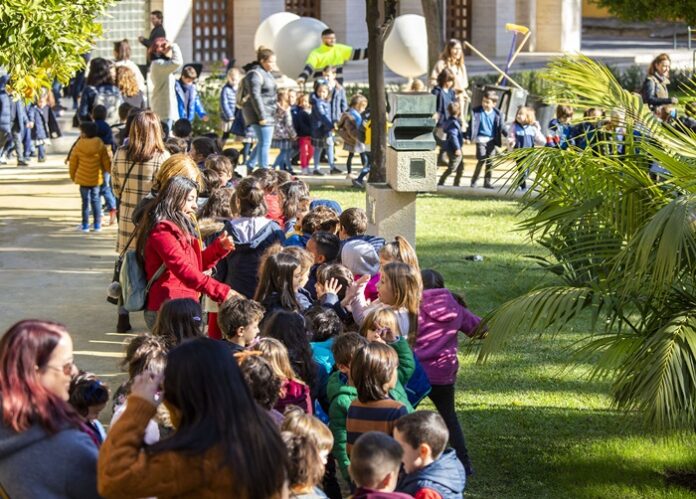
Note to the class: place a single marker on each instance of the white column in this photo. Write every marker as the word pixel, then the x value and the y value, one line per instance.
pixel 527 16
pixel 559 25
pixel 488 19
pixel 347 19
pixel 248 14
pixel 178 24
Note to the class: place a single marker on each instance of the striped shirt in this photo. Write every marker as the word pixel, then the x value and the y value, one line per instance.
pixel 379 415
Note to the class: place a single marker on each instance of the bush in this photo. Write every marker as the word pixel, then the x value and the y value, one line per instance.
pixel 209 89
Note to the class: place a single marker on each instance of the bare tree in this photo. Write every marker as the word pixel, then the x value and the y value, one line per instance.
pixel 379 22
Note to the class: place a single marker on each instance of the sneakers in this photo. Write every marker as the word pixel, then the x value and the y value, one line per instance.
pixel 487 185
pixel 83 228
pixel 317 173
pixel 22 162
pixel 41 160
pixel 336 171
pixel 358 183
pixel 97 229
pixel 349 176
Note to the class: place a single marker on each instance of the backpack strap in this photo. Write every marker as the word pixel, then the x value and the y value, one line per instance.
pixel 156 276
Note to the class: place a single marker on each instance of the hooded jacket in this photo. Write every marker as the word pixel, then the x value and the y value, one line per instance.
pixel 445 475
pixel 5 106
pixel 439 319
pixel 188 101
pixel 89 159
pixel 34 463
pixel 252 236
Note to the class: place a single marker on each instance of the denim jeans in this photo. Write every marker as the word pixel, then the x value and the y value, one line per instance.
pixel 366 167
pixel 264 134
pixel 107 193
pixel 283 159
pixel 329 153
pixel 90 196
pixel 42 151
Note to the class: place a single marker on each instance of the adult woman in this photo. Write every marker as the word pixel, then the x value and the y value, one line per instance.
pixel 166 59
pixel 259 101
pixel 100 87
pixel 224 445
pixel 128 85
pixel 122 58
pixel 452 58
pixel 654 91
pixel 43 452
pixel 168 241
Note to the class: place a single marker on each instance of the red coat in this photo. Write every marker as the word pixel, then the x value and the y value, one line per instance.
pixel 185 262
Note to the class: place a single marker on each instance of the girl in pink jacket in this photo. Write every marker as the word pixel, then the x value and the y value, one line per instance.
pixel 442 314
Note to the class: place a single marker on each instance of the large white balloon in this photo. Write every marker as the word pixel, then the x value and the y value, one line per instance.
pixel 294 42
pixel 268 30
pixel 406 48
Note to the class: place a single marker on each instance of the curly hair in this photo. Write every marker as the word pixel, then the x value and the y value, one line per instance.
pixel 127 83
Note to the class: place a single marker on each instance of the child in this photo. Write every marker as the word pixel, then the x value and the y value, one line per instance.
pixel 304 298
pixel 284 134
pixel 89 159
pixel 399 250
pixel 359 251
pixel 305 468
pixel 322 128
pixel 280 277
pixel 444 96
pixel 319 218
pixel 238 320
pixel 374 467
pixel 293 391
pixel 349 129
pixel 6 105
pixel 337 100
pixel 119 129
pixel 274 204
pixel 187 97
pixel 222 166
pixel 525 132
pixel 400 288
pixel 454 139
pixel 295 196
pixel 324 248
pixel 431 471
pixel 373 372
pixel 333 281
pixel 262 381
pixel 560 130
pixel 417 85
pixel 302 121
pixel 585 133
pixel 442 314
pixel 228 101
pixel 105 134
pixel 201 148
pixel 45 125
pixel 178 320
pixel 324 326
pixel 89 396
pixel 182 129
pixel 486 130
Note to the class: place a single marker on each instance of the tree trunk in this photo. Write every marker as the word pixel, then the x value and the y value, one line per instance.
pixel 432 11
pixel 377 29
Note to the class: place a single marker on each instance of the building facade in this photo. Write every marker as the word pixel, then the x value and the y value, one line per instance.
pixel 212 30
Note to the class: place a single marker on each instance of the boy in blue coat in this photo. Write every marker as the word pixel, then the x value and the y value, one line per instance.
pixel 432 471
pixel 454 139
pixel 486 129
pixel 560 131
pixel 5 118
pixel 322 127
pixel 187 96
pixel 228 101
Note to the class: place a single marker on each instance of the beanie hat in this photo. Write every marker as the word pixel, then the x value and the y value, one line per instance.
pixel 360 257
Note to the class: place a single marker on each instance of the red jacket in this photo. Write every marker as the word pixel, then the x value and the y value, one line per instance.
pixel 185 262
pixel 274 208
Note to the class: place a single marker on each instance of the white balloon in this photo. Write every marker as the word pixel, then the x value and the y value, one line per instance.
pixel 294 42
pixel 268 30
pixel 406 48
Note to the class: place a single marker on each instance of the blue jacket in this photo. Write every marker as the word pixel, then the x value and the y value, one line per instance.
pixel 584 134
pixel 563 131
pixel 339 103
pixel 475 125
pixel 302 121
pixel 5 105
pixel 322 125
pixel 322 354
pixel 443 98
pixel 18 116
pixel 188 109
pixel 445 475
pixel 524 135
pixel 455 136
pixel 228 101
pixel 104 132
pixel 297 240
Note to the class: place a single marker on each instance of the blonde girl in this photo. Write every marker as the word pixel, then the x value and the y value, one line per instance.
pixel 399 250
pixel 292 390
pixel 381 324
pixel 300 423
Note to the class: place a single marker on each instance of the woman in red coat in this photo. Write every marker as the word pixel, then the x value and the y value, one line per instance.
pixel 169 238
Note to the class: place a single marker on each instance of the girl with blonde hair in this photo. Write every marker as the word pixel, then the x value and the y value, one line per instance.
pixel 292 390
pixel 128 85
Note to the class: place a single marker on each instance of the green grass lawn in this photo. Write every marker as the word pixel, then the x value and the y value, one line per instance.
pixel 534 428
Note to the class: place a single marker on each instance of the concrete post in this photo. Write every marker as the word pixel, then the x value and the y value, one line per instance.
pixel 248 14
pixel 488 27
pixel 178 23
pixel 560 25
pixel 391 213
pixel 527 16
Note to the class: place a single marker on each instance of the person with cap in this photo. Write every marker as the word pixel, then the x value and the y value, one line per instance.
pixel 329 53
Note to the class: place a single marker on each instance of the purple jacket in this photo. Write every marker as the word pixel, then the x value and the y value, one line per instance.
pixel 440 317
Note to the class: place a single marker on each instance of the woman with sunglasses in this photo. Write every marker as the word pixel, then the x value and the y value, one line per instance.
pixel 43 452
pixel 173 258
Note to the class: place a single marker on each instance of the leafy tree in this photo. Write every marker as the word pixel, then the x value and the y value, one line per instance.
pixel 43 39
pixel 623 248
pixel 649 10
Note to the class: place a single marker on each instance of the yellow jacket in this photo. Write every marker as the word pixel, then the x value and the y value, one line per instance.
pixel 88 159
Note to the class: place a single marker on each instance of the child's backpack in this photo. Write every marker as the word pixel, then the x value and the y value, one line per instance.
pixel 110 98
pixel 418 385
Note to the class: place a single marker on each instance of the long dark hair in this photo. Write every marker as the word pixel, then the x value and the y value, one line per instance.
pixel 293 192
pixel 289 329
pixel 178 320
pixel 217 410
pixel 167 206
pixel 100 72
pixel 276 277
pixel 432 279
pixel 250 196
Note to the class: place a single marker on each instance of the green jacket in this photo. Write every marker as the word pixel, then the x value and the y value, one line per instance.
pixel 341 395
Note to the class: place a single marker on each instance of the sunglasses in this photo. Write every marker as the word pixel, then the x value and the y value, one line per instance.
pixel 67 368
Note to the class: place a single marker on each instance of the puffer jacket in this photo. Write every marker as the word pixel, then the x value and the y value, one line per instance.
pixel 260 96
pixel 88 160
pixel 5 105
pixel 445 476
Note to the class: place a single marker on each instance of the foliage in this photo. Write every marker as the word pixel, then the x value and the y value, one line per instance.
pixel 623 247
pixel 650 10
pixel 45 39
pixel 529 80
pixel 209 89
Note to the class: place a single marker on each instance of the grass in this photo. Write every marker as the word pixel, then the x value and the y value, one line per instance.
pixel 534 427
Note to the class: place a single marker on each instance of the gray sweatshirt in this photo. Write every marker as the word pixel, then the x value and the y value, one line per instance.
pixel 35 464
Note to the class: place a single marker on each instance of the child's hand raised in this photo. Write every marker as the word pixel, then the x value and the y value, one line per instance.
pixel 226 241
pixel 333 286
pixel 355 288
pixel 147 386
